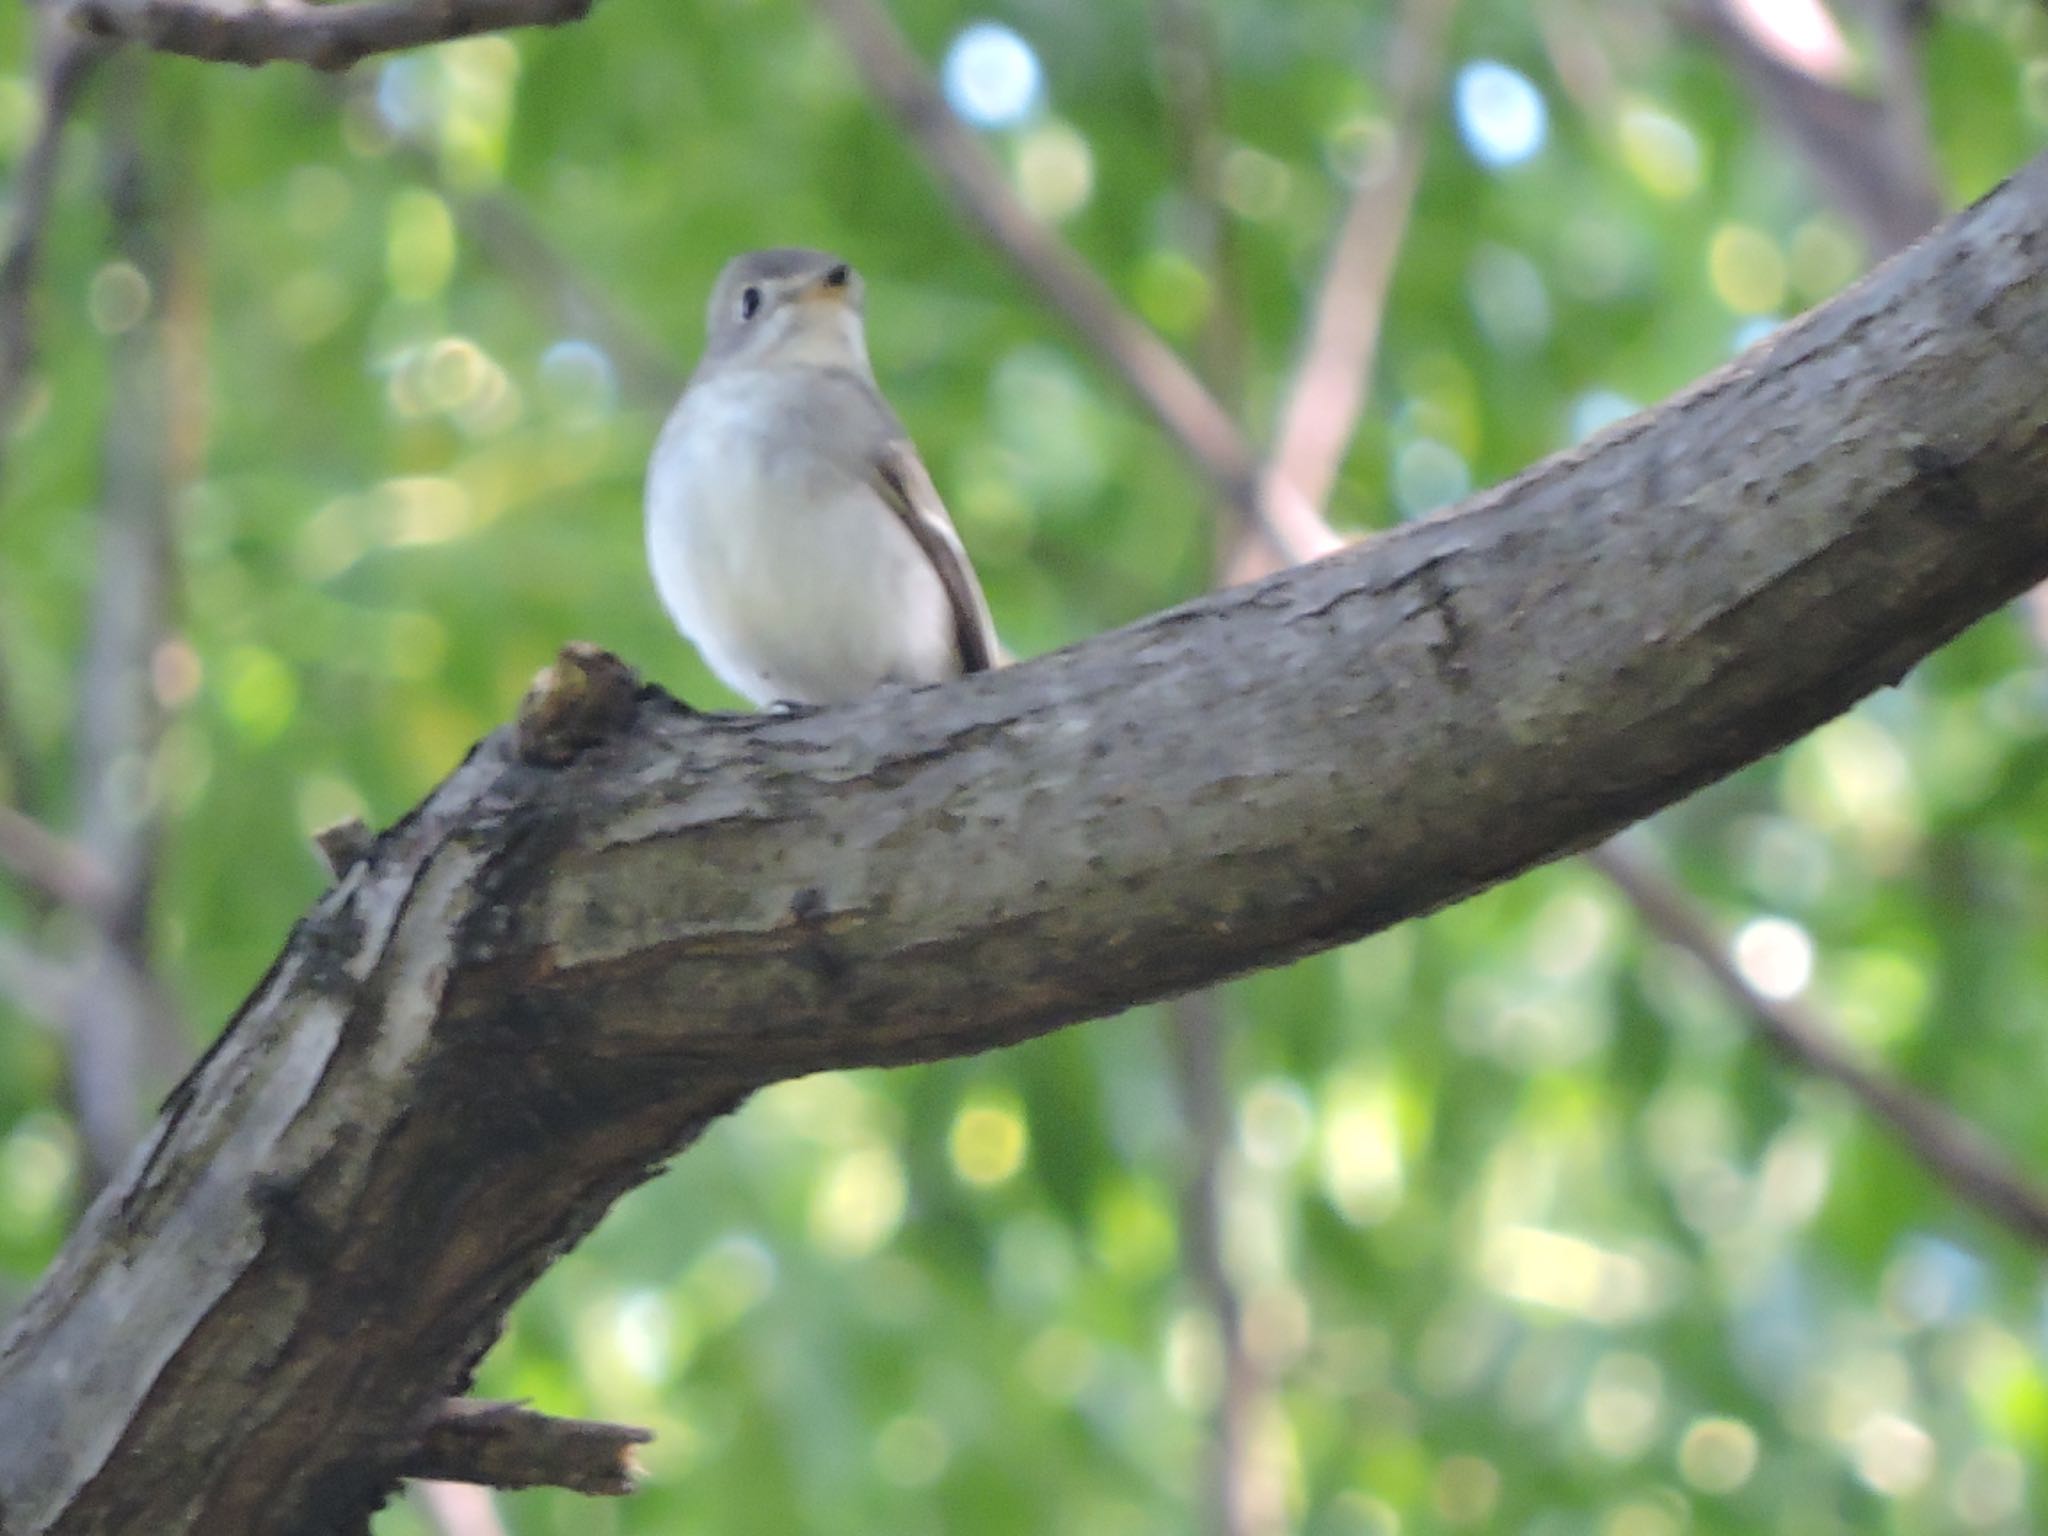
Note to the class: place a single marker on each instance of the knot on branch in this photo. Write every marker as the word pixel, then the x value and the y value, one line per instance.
pixel 344 845
pixel 585 696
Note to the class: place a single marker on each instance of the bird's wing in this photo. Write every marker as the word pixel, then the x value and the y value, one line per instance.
pixel 907 490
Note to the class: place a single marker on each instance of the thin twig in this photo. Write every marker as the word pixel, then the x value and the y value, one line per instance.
pixel 293 31
pixel 55 871
pixel 1327 396
pixel 507 1445
pixel 1948 1146
pixel 1151 369
pixel 1191 83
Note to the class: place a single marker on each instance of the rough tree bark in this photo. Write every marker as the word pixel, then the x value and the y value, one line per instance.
pixel 549 978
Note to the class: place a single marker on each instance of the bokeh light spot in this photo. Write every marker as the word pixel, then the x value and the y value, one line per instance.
pixel 912 1451
pixel 577 378
pixel 1256 185
pixel 1465 1489
pixel 1172 291
pixel 1624 1402
pixel 1193 1363
pixel 419 244
pixel 309 306
pixel 1775 956
pixel 991 76
pixel 38 1159
pixel 1639 1517
pixel 736 1275
pixel 1990 1486
pixel 117 298
pixel 1501 114
pixel 1055 171
pixel 1597 410
pixel 987 1143
pixel 1360 1152
pixel 1508 298
pixel 858 1204
pixel 1428 475
pixel 1746 269
pixel 260 692
pixel 175 672
pixel 1660 152
pixel 1566 1273
pixel 1133 1234
pixel 1825 257
pixel 1717 1455
pixel 1274 1123
pixel 1893 1455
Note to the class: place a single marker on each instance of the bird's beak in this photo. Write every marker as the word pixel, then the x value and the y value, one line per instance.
pixel 822 292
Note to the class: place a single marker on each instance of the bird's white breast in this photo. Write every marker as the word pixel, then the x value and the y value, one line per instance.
pixel 776 557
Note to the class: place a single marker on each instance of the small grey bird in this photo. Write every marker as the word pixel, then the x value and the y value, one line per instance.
pixel 794 536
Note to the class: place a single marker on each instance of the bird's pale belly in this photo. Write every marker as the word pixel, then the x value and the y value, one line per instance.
pixel 804 592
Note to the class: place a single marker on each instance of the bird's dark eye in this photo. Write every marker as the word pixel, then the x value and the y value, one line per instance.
pixel 750 302
pixel 839 276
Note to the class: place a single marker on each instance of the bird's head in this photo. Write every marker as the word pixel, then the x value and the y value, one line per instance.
pixel 787 305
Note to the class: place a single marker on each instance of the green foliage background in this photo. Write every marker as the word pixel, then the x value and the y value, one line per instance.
pixel 1530 1234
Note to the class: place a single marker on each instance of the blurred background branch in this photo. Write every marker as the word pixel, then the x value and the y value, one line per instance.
pixel 1867 150
pixel 64 64
pixel 1152 371
pixel 1947 1146
pixel 120 1033
pixel 50 869
pixel 1331 382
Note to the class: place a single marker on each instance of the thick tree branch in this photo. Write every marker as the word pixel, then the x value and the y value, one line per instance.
pixel 1295 528
pixel 547 979
pixel 508 1445
pixel 326 36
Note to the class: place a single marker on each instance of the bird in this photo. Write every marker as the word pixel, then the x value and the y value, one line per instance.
pixel 794 536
